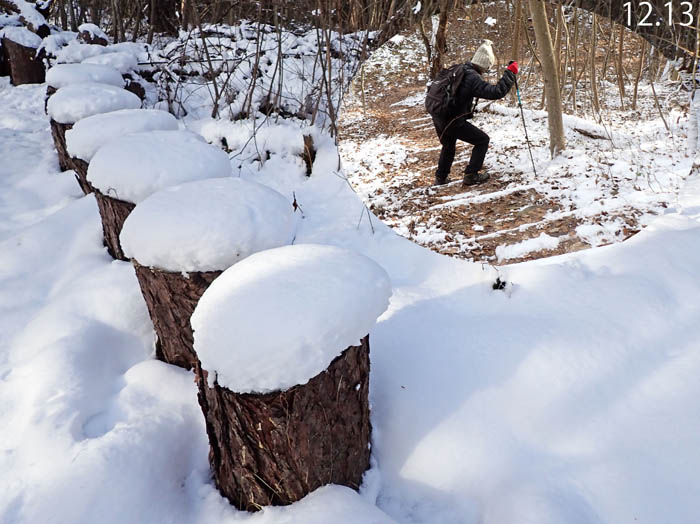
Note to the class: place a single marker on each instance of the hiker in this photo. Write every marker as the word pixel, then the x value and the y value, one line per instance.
pixel 453 125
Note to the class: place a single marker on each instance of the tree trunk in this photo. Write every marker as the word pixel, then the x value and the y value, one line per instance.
pixel 171 299
pixel 621 68
pixel 594 80
pixel 574 74
pixel 113 213
pixel 557 140
pixel 58 132
pixel 275 448
pixel 515 46
pixel 162 16
pixel 440 48
pixel 24 66
pixel 640 68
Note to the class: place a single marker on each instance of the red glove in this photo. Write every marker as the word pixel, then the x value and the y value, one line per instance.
pixel 513 67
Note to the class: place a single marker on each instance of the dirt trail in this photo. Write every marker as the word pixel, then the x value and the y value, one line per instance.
pixel 389 143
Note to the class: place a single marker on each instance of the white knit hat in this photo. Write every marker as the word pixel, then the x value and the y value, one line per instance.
pixel 484 57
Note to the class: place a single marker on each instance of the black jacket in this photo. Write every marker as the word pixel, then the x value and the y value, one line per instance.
pixel 473 86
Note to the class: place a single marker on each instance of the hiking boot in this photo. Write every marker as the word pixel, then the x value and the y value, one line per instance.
pixel 440 180
pixel 472 179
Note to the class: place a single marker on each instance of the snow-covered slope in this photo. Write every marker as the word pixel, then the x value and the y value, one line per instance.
pixel 570 396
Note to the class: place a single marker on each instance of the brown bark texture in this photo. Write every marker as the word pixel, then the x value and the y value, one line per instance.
pixel 550 70
pixel 309 154
pixel 25 67
pixel 132 84
pixel 89 38
pixel 171 299
pixel 80 167
pixel 113 213
pixel 275 448
pixel 50 90
pixel 4 64
pixel 58 132
pixel 162 16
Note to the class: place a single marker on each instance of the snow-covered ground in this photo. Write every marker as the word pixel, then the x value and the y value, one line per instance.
pixel 569 396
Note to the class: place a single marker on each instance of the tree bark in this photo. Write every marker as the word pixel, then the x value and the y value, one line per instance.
pixel 171 299
pixel 638 76
pixel 620 67
pixel 24 66
pixel 557 140
pixel 132 84
pixel 594 79
pixel 515 46
pixel 4 65
pixel 276 448
pixel 440 48
pixel 80 167
pixel 113 213
pixel 89 38
pixel 58 132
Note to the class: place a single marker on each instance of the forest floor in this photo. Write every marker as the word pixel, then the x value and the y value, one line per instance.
pixel 613 177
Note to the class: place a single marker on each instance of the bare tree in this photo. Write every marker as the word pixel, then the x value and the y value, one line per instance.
pixel 440 48
pixel 557 140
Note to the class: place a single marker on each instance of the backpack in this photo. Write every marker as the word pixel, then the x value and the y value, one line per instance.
pixel 440 97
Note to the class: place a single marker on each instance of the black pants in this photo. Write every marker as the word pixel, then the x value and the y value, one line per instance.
pixel 460 129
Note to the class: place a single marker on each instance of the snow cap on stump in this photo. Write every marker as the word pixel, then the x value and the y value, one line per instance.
pixel 135 166
pixel 279 318
pixel 21 36
pixel 207 225
pixel 89 134
pixel 92 34
pixel 77 101
pixel 122 62
pixel 62 75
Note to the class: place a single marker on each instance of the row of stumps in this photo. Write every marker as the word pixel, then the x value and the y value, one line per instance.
pixel 266 448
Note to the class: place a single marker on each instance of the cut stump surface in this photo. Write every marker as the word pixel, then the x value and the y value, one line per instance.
pixel 275 448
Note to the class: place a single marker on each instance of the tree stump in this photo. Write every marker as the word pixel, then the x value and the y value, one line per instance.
pixel 90 37
pixel 113 213
pixel 171 299
pixel 50 90
pixel 58 132
pixel 25 67
pixel 276 448
pixel 132 84
pixel 81 167
pixel 309 154
pixel 4 66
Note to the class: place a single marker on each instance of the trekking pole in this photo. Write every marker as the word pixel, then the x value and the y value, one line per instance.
pixel 527 138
